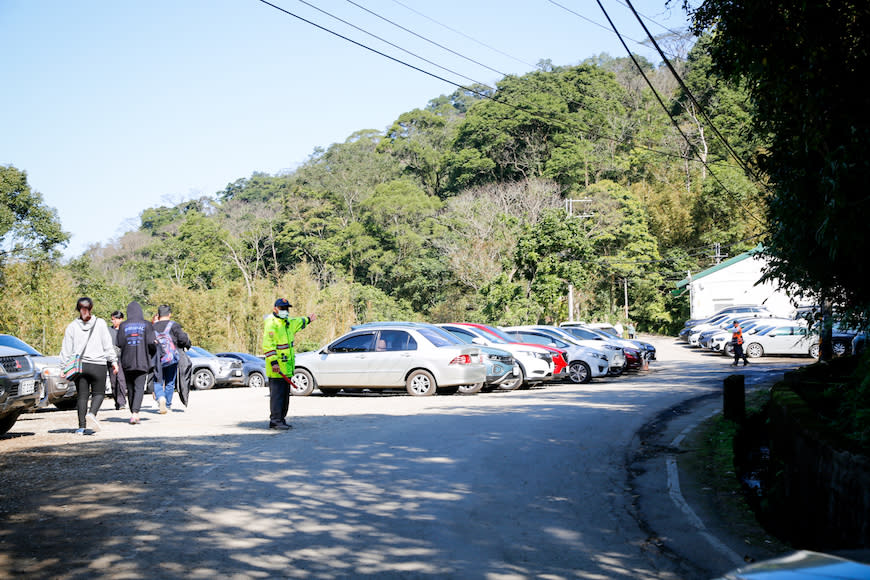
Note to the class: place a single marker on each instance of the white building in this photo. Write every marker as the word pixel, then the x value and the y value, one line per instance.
pixel 735 282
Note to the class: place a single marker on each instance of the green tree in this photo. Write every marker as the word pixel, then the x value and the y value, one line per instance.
pixel 29 229
pixel 804 66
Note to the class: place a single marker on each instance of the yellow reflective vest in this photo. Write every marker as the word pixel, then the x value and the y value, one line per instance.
pixel 278 336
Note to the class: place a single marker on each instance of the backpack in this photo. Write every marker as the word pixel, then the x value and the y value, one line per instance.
pixel 168 350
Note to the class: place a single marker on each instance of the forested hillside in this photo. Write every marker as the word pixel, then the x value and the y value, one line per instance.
pixel 480 206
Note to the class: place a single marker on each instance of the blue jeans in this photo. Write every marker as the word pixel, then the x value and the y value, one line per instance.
pixel 167 387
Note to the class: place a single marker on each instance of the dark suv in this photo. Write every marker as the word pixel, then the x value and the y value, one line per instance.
pixel 18 391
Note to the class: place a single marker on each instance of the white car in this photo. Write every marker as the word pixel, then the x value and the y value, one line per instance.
pixel 584 363
pixel 536 363
pixel 389 356
pixel 794 338
pixel 612 346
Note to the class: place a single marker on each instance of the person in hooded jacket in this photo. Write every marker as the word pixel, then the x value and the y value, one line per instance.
pixel 89 337
pixel 138 344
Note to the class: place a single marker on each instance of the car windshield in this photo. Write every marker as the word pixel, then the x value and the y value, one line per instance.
pixel 13 342
pixel 438 336
pixel 583 333
pixel 199 351
pixel 499 333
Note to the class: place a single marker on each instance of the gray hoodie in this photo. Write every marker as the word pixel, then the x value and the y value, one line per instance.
pixel 99 350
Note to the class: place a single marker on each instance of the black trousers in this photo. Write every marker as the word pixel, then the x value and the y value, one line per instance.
pixel 738 353
pixel 279 400
pixel 135 388
pixel 90 383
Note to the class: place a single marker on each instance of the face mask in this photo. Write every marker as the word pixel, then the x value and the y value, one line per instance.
pixel 283 313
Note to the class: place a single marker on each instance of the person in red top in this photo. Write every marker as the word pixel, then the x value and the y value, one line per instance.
pixel 737 343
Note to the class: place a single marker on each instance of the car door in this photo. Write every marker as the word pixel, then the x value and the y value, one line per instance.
pixel 392 358
pixel 782 340
pixel 345 363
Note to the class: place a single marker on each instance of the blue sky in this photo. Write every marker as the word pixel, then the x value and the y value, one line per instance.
pixel 113 106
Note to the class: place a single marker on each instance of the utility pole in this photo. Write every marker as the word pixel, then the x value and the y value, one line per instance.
pixel 717 253
pixel 625 292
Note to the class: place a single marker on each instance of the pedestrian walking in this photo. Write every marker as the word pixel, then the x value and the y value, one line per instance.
pixel 170 338
pixel 87 338
pixel 737 344
pixel 138 344
pixel 278 335
pixel 119 385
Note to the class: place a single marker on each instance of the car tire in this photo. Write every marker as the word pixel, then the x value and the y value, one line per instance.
pixel 448 390
pixel 203 379
pixel 67 404
pixel 421 383
pixel 578 372
pixel 8 421
pixel 514 384
pixel 256 380
pixel 328 392
pixel 840 349
pixel 814 351
pixel 303 383
pixel 754 350
pixel 728 350
pixel 471 389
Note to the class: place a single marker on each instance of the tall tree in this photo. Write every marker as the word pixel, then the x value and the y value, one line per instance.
pixel 804 65
pixel 29 229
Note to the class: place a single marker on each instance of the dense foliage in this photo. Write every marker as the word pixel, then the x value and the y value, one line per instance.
pixel 482 206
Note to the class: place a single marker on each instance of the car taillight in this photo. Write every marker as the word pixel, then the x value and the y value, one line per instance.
pixel 463 359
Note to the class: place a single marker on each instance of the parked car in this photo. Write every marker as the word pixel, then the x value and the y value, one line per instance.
pixel 719 339
pixel 584 363
pixel 802 565
pixel 253 368
pixel 613 348
pixel 210 370
pixel 52 388
pixel 18 390
pixel 389 356
pixel 736 309
pixel 642 349
pixel 535 362
pixel 792 338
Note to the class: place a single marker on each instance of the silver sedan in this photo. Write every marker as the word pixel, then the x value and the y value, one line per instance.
pixel 389 356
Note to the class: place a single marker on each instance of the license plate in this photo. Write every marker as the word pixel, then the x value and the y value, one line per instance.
pixel 26 387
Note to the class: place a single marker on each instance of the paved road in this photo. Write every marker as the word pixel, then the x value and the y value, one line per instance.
pixel 527 484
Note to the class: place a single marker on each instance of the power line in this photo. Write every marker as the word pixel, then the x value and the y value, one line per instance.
pixel 464 35
pixel 426 39
pixel 354 26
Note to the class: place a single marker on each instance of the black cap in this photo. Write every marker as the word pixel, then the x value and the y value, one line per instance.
pixel 282 303
pixel 164 310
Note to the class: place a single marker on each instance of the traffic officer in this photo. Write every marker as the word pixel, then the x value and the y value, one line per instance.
pixel 737 344
pixel 278 336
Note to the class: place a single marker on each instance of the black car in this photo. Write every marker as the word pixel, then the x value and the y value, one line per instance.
pixel 253 367
pixel 18 389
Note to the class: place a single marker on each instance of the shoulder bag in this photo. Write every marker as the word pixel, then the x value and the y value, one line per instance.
pixel 74 367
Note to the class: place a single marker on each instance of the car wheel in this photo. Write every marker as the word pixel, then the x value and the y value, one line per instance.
pixel 203 380
pixel 814 351
pixel 513 384
pixel 839 348
pixel 256 380
pixel 328 392
pixel 754 350
pixel 728 350
pixel 471 389
pixel 421 383
pixel 614 372
pixel 8 421
pixel 303 383
pixel 579 372
pixel 67 404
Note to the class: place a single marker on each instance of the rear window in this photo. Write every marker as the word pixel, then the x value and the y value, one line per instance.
pixel 436 338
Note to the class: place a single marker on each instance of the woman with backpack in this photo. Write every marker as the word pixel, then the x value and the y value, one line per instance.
pixel 170 337
pixel 136 340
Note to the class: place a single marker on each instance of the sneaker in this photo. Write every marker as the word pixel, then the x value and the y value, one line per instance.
pixel 80 431
pixel 92 422
pixel 280 426
pixel 161 402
